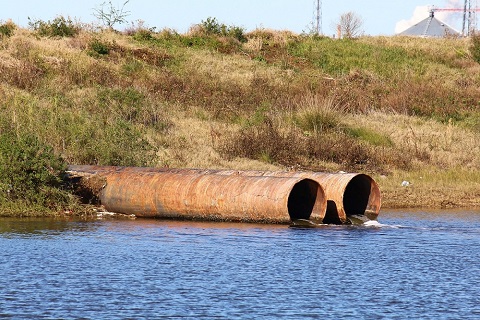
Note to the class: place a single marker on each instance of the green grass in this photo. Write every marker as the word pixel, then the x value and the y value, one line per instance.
pixel 339 57
pixel 370 136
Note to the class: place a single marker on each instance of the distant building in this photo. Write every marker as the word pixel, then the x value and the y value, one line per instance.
pixel 430 27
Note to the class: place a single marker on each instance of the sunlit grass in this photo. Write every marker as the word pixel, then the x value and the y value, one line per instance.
pixel 383 105
pixel 430 187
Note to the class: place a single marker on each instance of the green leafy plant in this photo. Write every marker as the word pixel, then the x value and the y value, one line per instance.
pixel 7 29
pixel 58 27
pixel 30 172
pixel 98 48
pixel 212 27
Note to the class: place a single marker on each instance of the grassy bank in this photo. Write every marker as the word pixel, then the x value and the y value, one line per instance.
pixel 400 109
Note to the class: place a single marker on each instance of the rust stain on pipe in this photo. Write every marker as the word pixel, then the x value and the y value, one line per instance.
pixel 348 194
pixel 207 195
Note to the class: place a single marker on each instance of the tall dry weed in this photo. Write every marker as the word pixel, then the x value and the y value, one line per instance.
pixel 317 115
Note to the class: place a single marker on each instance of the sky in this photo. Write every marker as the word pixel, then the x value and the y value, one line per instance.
pixel 380 17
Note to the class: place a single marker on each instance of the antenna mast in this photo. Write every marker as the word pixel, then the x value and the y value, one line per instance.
pixel 471 18
pixel 469 11
pixel 318 16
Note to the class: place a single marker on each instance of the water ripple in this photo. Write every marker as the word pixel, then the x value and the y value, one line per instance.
pixel 406 265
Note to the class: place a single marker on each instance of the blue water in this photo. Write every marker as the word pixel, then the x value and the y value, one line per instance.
pixel 409 265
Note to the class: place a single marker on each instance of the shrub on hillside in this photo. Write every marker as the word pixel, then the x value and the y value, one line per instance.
pixel 211 27
pixel 30 173
pixel 143 35
pixel 139 31
pixel 341 149
pixel 266 142
pixel 318 119
pixel 58 27
pixel 7 29
pixel 98 48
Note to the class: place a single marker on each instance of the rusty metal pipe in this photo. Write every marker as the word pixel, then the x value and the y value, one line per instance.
pixel 347 194
pixel 199 194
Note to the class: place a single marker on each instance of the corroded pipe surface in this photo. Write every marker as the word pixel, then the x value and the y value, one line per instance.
pixel 347 194
pixel 198 194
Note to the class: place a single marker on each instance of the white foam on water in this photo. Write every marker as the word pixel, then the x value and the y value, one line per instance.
pixel 376 224
pixel 373 223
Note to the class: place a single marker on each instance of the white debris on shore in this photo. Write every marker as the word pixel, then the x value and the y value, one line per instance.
pixel 103 214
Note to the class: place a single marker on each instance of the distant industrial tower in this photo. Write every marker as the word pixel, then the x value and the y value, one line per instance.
pixel 472 16
pixel 469 24
pixel 318 17
pixel 469 10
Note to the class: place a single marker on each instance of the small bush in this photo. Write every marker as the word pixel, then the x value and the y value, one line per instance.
pixel 7 29
pixel 265 142
pixel 318 120
pixel 59 27
pixel 143 35
pixel 140 32
pixel 237 33
pixel 317 115
pixel 30 172
pixel 341 149
pixel 211 27
pixel 97 48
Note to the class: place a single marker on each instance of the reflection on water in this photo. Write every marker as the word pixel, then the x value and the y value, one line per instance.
pixel 39 226
pixel 406 265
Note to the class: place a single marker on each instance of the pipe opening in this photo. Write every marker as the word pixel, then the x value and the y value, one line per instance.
pixel 357 195
pixel 302 199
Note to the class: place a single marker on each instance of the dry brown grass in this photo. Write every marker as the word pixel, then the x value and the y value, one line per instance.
pixel 257 107
pixel 447 145
pixel 236 70
pixel 193 143
pixel 430 187
pixel 442 48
